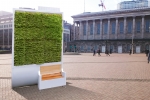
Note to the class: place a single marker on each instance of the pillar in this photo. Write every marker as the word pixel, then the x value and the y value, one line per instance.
pixel 74 31
pixel 116 28
pixel 101 28
pixel 143 26
pixel 108 29
pixel 133 26
pixel 87 29
pixel 125 25
pixel 93 28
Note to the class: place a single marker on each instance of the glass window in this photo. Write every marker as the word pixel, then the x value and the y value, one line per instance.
pixel 129 27
pixel 113 27
pixel 105 28
pixel 147 26
pixel 91 29
pixel 128 47
pixel 121 27
pixel 138 26
pixel 98 28
pixel 89 48
pixel 81 47
pixel 112 47
pixel 84 29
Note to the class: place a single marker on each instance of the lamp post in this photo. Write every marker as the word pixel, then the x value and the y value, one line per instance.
pixel 132 44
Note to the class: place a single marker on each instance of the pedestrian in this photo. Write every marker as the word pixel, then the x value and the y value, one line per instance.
pixel 94 52
pixel 147 52
pixel 99 52
pixel 110 51
pixel 148 57
pixel 107 52
pixel 130 52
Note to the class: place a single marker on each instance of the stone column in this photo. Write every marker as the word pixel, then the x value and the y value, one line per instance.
pixel 87 29
pixel 80 33
pixel 8 37
pixel 133 26
pixel 93 28
pixel 74 29
pixel 101 30
pixel 125 25
pixel 143 26
pixel 108 36
pixel 116 28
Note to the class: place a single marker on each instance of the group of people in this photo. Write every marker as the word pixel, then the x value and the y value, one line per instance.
pixel 98 51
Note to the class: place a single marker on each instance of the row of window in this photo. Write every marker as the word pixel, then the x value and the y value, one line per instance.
pixel 130 5
pixel 5 26
pixel 121 27
pixel 96 47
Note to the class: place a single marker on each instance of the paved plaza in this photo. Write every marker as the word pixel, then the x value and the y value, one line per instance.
pixel 114 77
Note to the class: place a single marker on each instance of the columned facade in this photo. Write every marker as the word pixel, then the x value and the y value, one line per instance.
pixel 119 29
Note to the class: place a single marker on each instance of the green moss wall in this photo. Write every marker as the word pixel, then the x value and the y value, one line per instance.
pixel 37 38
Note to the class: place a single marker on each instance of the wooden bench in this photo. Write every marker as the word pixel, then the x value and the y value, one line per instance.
pixel 50 72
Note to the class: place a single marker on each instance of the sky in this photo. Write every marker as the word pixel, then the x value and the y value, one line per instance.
pixel 68 7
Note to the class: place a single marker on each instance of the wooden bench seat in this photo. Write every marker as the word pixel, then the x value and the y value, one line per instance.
pixel 50 72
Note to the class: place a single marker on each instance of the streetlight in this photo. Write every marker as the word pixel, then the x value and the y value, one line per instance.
pixel 132 43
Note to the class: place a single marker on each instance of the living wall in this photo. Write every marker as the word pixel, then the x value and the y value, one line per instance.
pixel 37 38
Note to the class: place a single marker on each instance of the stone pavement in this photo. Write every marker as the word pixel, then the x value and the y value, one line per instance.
pixel 115 77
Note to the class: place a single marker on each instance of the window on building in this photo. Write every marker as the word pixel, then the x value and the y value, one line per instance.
pixel 84 29
pixel 105 28
pixel 89 48
pixel 121 27
pixel 91 29
pixel 113 27
pixel 129 27
pixel 96 47
pixel 98 28
pixel 81 47
pixel 112 47
pixel 128 47
pixel 138 26
pixel 147 26
pixel 147 47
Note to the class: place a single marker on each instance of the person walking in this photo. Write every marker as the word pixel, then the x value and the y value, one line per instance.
pixel 107 52
pixel 110 51
pixel 99 52
pixel 94 52
pixel 148 57
pixel 130 52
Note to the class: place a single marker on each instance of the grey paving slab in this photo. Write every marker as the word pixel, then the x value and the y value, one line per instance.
pixel 114 77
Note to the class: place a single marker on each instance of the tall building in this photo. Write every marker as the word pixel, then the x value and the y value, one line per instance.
pixel 113 30
pixel 66 34
pixel 5 30
pixel 133 4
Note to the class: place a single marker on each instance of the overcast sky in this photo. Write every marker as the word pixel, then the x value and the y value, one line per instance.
pixel 68 7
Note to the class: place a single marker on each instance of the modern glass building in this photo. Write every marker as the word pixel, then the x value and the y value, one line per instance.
pixel 5 30
pixel 133 4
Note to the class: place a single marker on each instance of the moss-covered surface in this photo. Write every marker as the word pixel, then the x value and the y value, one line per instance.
pixel 37 38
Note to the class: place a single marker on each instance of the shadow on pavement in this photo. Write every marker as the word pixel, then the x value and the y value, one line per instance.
pixel 67 92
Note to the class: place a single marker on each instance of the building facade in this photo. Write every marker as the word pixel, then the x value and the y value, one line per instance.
pixel 5 30
pixel 133 4
pixel 66 34
pixel 112 30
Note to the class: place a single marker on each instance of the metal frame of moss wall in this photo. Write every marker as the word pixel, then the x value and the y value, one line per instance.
pixel 28 74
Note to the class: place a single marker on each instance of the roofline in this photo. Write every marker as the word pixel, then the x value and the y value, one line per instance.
pixel 111 12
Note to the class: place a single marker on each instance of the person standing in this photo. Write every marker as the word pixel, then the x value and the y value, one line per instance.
pixel 94 52
pixel 99 52
pixel 107 52
pixel 130 52
pixel 148 57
